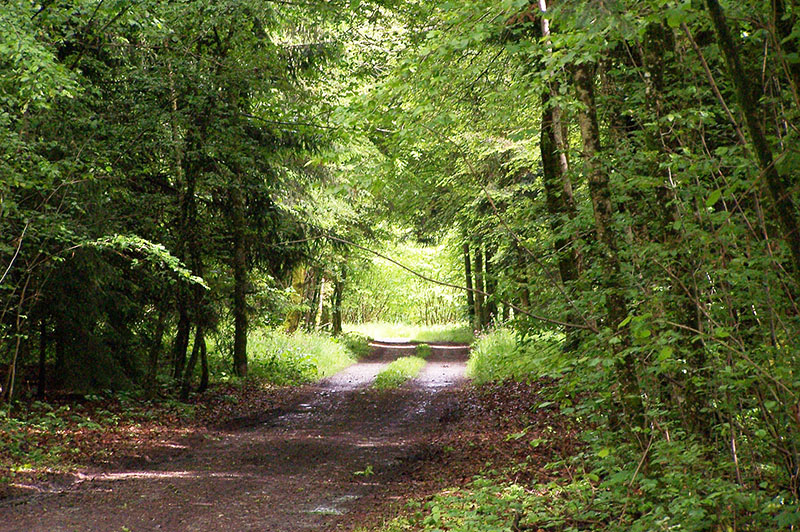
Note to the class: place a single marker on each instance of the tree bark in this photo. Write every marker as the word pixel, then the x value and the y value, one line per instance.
pixel 491 287
pixel 41 383
pixel 468 280
pixel 155 352
pixel 203 386
pixel 186 381
pixel 338 292
pixel 600 192
pixel 745 91
pixel 480 307
pixel 239 283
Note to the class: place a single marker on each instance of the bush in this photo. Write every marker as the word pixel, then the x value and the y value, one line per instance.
pixel 503 354
pixel 398 372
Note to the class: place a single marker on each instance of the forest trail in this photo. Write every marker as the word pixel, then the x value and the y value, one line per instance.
pixel 333 451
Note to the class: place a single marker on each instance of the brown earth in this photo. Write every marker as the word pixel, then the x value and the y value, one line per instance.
pixel 301 466
pixel 322 457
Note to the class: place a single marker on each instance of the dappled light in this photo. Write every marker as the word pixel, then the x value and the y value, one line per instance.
pixel 400 266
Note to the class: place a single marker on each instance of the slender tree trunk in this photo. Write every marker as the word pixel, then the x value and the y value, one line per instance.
pixel 298 293
pixel 480 308
pixel 600 192
pixel 748 101
pixel 181 343
pixel 42 382
pixel 491 287
pixel 239 283
pixel 186 381
pixel 203 386
pixel 60 340
pixel 338 292
pixel 468 280
pixel 155 352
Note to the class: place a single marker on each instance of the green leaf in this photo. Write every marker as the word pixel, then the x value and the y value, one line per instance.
pixel 713 198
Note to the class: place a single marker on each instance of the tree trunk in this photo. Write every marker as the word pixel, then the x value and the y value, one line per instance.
pixel 468 279
pixel 186 381
pixel 748 101
pixel 600 192
pixel 203 386
pixel 480 308
pixel 155 352
pixel 239 283
pixel 41 383
pixel 181 343
pixel 491 287
pixel 298 287
pixel 338 292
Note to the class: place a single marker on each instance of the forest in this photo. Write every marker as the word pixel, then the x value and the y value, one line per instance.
pixel 601 196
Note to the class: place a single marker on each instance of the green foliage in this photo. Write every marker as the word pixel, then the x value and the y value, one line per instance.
pixel 444 332
pixel 503 354
pixel 423 351
pixel 379 290
pixel 357 344
pixel 286 359
pixel 398 372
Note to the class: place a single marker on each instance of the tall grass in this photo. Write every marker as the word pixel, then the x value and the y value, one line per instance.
pixel 445 332
pixel 398 372
pixel 502 354
pixel 296 358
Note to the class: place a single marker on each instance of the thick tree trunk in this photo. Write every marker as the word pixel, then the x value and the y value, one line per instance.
pixel 748 101
pixel 468 281
pixel 239 284
pixel 600 192
pixel 480 307
pixel 554 193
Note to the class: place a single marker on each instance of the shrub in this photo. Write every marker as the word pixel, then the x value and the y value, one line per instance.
pixel 503 354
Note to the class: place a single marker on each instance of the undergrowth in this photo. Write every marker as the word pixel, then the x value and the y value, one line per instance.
pixel 398 372
pixel 460 333
pixel 618 479
pixel 285 359
pixel 502 354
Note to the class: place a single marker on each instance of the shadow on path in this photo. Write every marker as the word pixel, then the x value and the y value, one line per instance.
pixel 300 467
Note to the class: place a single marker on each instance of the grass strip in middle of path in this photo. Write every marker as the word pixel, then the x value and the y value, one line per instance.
pixel 398 372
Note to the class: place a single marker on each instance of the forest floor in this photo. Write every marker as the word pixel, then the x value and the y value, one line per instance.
pixel 326 456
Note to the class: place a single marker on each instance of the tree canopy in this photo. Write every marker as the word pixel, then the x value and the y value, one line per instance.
pixel 620 176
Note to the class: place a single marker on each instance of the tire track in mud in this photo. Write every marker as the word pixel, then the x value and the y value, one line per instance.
pixel 336 448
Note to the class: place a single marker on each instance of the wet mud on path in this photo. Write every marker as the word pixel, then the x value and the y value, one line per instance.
pixel 333 450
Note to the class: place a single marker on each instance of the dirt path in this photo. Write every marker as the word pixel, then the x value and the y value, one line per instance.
pixel 333 450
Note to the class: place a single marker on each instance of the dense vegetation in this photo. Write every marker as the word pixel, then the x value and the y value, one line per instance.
pixel 617 180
